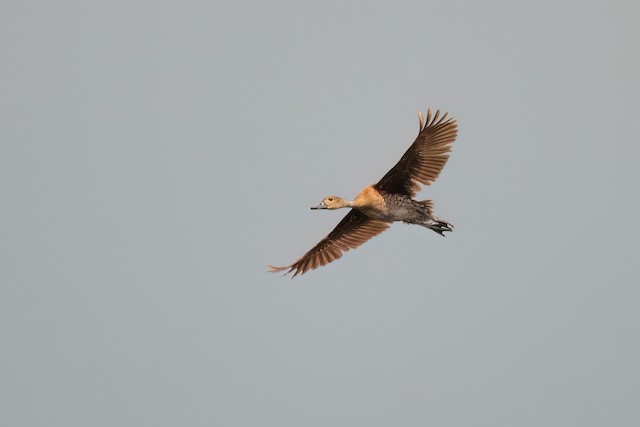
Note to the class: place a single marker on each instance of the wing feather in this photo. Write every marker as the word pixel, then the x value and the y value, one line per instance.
pixel 354 230
pixel 424 160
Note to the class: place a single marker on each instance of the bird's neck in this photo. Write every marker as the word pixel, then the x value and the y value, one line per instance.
pixel 368 197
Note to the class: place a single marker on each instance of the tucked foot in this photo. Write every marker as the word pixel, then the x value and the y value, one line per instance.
pixel 440 227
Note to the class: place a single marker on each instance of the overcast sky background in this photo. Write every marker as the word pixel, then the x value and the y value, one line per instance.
pixel 155 156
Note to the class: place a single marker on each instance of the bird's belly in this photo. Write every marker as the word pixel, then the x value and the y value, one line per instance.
pixel 402 213
pixel 386 214
pixel 375 212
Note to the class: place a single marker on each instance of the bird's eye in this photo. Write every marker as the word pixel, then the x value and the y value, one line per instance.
pixel 330 199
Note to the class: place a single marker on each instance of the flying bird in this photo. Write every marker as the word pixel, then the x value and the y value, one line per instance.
pixel 390 200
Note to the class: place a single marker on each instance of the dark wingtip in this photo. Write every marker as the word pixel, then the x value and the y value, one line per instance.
pixel 272 269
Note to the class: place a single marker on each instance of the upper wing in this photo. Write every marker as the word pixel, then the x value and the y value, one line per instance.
pixel 424 160
pixel 354 229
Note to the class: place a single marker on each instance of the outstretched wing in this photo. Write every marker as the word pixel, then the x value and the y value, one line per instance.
pixel 354 229
pixel 424 160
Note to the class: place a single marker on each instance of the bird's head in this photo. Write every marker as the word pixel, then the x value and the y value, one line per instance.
pixel 332 202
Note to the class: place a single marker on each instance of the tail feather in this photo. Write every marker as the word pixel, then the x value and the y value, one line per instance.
pixel 428 205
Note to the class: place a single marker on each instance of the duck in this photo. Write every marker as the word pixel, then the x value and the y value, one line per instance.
pixel 390 200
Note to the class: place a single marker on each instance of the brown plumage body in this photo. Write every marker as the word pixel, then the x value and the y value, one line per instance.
pixel 389 200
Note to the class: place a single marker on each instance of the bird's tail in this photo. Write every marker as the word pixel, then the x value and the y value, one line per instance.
pixel 428 205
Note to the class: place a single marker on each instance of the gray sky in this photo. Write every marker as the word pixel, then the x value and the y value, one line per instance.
pixel 156 156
